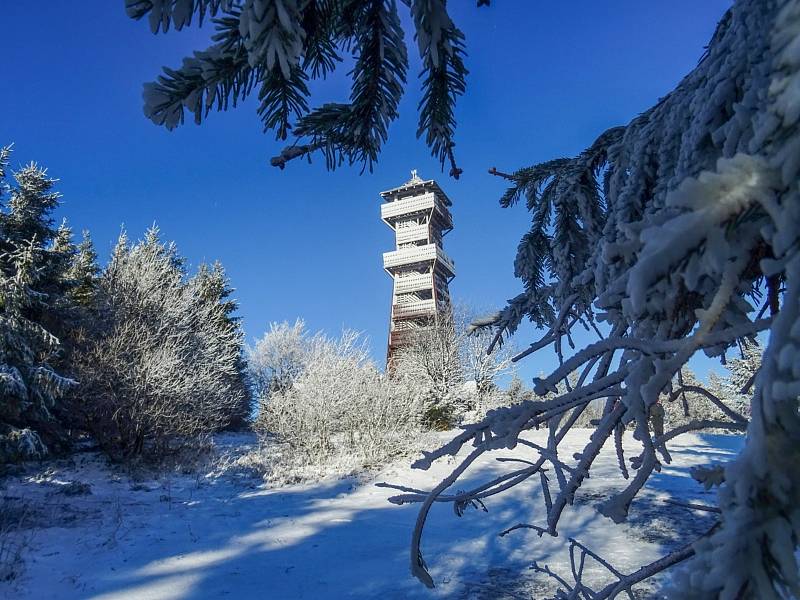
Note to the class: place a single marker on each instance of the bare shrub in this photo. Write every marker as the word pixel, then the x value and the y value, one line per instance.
pixel 450 361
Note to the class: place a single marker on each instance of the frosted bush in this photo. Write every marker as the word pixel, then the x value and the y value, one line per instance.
pixel 163 366
pixel 278 358
pixel 449 360
pixel 340 413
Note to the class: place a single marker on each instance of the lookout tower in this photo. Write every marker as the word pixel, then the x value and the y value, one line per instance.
pixel 418 212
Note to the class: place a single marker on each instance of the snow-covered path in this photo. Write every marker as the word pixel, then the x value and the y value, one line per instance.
pixel 198 538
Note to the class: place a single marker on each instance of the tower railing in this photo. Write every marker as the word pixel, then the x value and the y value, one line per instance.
pixel 410 310
pixel 413 233
pixel 407 206
pixel 413 283
pixel 417 254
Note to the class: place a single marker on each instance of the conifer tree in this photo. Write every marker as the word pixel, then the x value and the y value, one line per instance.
pixel 28 218
pixel 31 268
pixel 743 369
pixel 83 272
pixel 517 392
pixel 81 323
pixel 215 289
pixel 163 364
pixel 30 206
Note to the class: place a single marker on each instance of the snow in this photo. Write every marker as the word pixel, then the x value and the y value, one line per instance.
pixel 224 534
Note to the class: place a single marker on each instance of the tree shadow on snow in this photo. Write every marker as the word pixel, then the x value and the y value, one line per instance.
pixel 342 539
pixel 656 519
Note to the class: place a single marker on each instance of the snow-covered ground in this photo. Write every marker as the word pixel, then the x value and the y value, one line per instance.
pixel 191 536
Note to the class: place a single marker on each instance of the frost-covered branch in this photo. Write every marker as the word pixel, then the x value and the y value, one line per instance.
pixel 623 583
pixel 715 399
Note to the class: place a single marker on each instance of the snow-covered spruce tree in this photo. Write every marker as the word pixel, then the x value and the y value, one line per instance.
pixel 215 288
pixel 274 47
pixel 33 258
pixel 80 327
pixel 83 272
pixel 30 385
pixel 517 391
pixel 163 364
pixel 28 218
pixel 670 230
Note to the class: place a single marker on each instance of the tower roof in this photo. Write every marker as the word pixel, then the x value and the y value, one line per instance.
pixel 415 185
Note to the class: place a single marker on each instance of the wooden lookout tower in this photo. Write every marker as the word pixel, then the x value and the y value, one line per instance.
pixel 418 212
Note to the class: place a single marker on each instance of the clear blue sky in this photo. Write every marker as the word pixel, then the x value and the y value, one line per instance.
pixel 545 79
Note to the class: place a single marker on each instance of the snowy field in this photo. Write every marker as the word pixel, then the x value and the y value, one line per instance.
pixel 202 536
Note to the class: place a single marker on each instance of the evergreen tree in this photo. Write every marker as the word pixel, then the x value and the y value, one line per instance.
pixel 693 405
pixel 31 281
pixel 28 219
pixel 81 324
pixel 743 370
pixel 60 316
pixel 215 289
pixel 83 272
pixel 517 392
pixel 30 207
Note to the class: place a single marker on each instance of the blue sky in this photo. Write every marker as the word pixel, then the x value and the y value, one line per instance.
pixel 545 79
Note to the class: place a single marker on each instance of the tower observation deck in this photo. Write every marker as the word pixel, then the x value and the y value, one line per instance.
pixel 418 212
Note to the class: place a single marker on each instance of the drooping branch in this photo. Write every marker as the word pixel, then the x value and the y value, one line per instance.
pixel 729 412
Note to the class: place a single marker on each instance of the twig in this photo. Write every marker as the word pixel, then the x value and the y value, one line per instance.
pixel 712 397
pixel 540 530
pixel 495 172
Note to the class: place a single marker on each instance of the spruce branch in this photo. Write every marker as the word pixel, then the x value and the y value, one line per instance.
pixel 441 47
pixel 162 14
